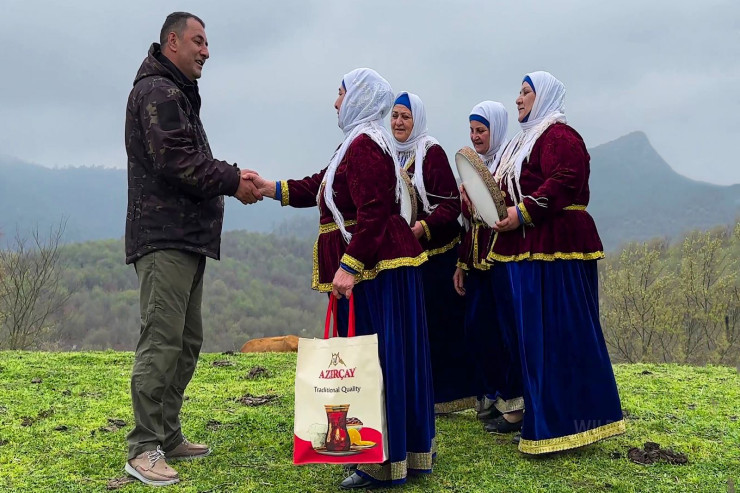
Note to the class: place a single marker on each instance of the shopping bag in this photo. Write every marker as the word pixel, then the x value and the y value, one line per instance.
pixel 339 399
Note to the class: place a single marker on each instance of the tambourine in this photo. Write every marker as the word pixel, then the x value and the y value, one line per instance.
pixel 408 199
pixel 480 186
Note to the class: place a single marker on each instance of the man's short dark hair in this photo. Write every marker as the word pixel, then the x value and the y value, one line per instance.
pixel 176 22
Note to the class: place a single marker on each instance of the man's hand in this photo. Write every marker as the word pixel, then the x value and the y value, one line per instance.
pixel 265 187
pixel 247 193
pixel 342 284
pixel 458 279
pixel 417 229
pixel 510 223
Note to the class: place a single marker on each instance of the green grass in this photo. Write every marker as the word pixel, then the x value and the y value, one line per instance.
pixel 692 410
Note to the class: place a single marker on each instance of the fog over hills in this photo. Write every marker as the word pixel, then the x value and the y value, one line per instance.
pixel 635 195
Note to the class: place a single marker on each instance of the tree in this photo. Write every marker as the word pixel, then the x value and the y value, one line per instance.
pixel 638 323
pixel 31 290
pixel 708 281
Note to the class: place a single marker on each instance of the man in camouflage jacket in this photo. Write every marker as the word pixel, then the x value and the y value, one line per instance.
pixel 173 222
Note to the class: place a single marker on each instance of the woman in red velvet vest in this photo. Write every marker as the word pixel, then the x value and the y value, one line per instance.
pixel 488 307
pixel 437 229
pixel 550 245
pixel 366 249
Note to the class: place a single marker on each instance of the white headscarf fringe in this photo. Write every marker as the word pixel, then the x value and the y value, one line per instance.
pixel 417 146
pixel 368 100
pixel 548 109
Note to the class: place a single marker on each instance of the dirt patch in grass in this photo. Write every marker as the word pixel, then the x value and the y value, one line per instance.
pixel 223 362
pixel 256 400
pixel 113 425
pixel 652 453
pixel 257 372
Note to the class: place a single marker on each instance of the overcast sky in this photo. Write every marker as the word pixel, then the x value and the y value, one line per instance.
pixel 668 68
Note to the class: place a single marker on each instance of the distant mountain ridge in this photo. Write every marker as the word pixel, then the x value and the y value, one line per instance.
pixel 635 195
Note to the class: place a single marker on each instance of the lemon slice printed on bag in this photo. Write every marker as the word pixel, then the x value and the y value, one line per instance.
pixel 354 437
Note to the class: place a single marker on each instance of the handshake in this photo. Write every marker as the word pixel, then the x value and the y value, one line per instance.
pixel 252 187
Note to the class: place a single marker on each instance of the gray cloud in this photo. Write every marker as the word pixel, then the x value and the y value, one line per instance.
pixel 667 68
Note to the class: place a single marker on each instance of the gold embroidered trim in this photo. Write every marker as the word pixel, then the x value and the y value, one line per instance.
pixel 427 231
pixel 352 263
pixel 545 256
pixel 409 163
pixel 515 404
pixel 420 460
pixel 462 265
pixel 362 275
pixel 454 406
pixel 575 207
pixel 572 441
pixel 445 248
pixel 477 264
pixel 525 213
pixel 329 227
pixel 284 193
pixel 393 264
pixel 385 472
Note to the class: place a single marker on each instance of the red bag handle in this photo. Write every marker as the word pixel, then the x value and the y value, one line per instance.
pixel 332 310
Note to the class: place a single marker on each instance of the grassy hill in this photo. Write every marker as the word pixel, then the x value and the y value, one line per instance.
pixel 61 434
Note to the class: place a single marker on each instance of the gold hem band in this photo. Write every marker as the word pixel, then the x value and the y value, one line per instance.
pixel 516 404
pixel 455 406
pixel 572 441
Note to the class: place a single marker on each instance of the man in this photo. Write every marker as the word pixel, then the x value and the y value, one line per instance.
pixel 173 222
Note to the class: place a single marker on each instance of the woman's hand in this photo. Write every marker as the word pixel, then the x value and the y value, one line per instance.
pixel 342 284
pixel 458 279
pixel 265 187
pixel 417 229
pixel 465 198
pixel 510 223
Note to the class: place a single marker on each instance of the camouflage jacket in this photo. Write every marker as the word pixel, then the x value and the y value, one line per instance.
pixel 175 186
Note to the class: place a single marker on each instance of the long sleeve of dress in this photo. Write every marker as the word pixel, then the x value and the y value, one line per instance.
pixel 564 164
pixel 371 181
pixel 301 193
pixel 440 182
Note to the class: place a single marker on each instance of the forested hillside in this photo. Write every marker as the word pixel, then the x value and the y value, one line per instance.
pixel 261 287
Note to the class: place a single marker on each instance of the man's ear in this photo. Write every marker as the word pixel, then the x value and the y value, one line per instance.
pixel 172 41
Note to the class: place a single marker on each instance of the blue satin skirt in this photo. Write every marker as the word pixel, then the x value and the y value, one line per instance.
pixel 392 306
pixel 452 366
pixel 493 342
pixel 570 394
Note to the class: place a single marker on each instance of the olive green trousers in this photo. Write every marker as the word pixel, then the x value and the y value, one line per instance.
pixel 170 295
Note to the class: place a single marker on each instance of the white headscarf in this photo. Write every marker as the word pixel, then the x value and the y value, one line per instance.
pixel 548 108
pixel 368 100
pixel 417 145
pixel 498 119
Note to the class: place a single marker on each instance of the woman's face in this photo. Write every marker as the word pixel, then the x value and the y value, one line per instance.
pixel 340 98
pixel 480 136
pixel 525 101
pixel 402 123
